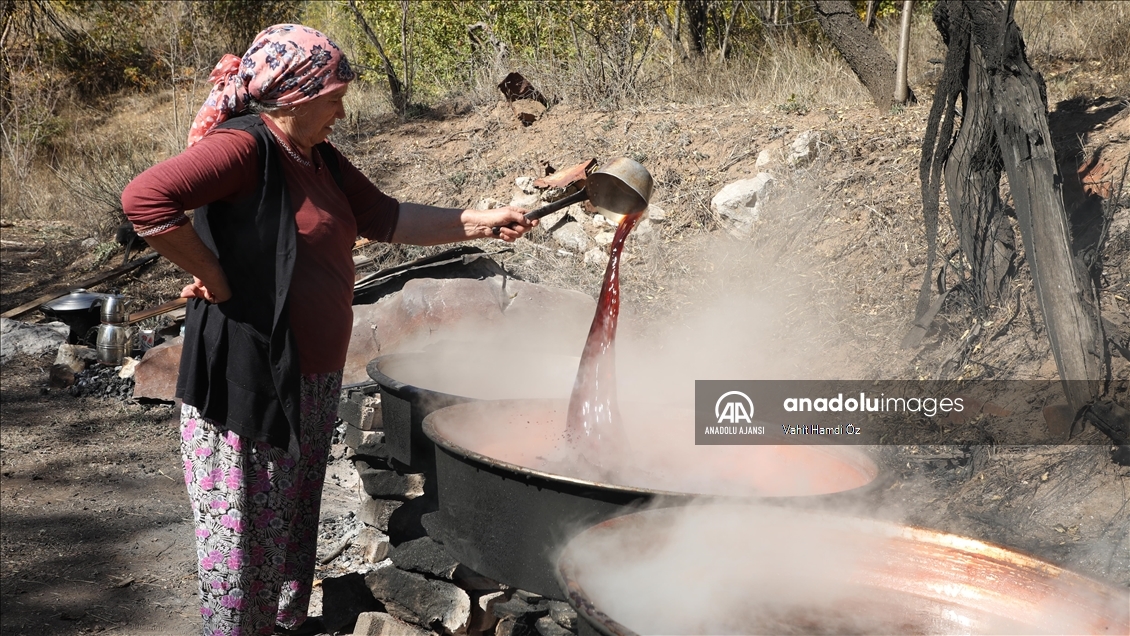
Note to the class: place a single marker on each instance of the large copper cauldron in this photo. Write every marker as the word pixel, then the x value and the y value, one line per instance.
pixel 759 570
pixel 507 503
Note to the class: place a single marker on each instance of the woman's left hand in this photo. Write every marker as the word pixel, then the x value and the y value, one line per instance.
pixel 507 223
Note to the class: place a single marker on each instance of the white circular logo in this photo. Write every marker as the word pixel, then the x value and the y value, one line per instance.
pixel 739 408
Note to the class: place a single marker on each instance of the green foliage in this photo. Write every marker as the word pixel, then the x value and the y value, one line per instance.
pixel 239 21
pixel 95 56
pixel 795 105
pixel 103 251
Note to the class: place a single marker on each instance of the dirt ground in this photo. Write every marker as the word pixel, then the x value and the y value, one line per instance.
pixel 95 528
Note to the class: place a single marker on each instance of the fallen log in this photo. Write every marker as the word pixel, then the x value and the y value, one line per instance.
pixel 59 290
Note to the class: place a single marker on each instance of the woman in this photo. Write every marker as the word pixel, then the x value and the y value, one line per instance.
pixel 269 314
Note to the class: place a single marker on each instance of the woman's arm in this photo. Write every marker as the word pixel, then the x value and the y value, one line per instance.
pixel 383 218
pixel 428 225
pixel 222 166
pixel 183 247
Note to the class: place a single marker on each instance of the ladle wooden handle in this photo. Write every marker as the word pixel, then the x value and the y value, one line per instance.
pixel 546 210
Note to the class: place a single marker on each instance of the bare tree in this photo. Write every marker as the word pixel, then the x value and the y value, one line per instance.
pixel 399 95
pixel 862 51
pixel 902 91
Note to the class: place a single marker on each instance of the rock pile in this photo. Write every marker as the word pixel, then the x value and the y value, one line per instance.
pixel 416 587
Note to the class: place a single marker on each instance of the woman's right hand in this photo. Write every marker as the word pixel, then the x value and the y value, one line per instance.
pixel 218 294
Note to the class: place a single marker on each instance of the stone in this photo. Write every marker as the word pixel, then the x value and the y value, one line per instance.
pixel 803 148
pixel 363 442
pixel 764 158
pixel 514 627
pixel 471 580
pixel 377 512
pixel 656 214
pixel 405 523
pixel 572 236
pixel 382 624
pixel 596 257
pixel 523 200
pixel 361 411
pixel 374 544
pixel 489 204
pixel 88 243
pixel 604 239
pixel 563 614
pixel 552 219
pixel 644 231
pixel 425 556
pixel 529 597
pixel 740 203
pixel 389 484
pixel 156 375
pixel 344 598
pixel 526 185
pixel 75 357
pixel 482 610
pixel 20 337
pixel 413 598
pixel 546 626
pixel 598 220
pixel 60 376
pixel 129 366
pixel 516 607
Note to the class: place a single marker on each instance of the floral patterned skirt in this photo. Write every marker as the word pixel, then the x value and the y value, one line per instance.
pixel 256 509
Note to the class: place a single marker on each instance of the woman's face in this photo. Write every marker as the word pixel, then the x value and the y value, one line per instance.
pixel 314 120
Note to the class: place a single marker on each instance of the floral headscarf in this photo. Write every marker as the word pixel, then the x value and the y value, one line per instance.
pixel 287 65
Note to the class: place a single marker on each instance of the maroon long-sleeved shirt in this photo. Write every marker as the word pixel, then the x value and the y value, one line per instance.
pixel 224 166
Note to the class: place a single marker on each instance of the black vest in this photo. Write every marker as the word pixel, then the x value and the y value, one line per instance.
pixel 239 365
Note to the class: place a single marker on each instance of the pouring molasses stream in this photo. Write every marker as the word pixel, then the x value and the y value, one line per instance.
pixel 620 191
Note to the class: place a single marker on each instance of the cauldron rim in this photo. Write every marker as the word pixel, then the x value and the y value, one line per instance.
pixel 406 391
pixel 429 428
pixel 566 574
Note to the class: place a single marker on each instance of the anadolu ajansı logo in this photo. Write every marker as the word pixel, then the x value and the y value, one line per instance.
pixel 734 407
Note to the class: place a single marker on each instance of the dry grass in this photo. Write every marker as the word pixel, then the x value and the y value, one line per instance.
pixel 1081 49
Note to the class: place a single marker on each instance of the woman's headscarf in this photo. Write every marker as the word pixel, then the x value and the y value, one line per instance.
pixel 287 65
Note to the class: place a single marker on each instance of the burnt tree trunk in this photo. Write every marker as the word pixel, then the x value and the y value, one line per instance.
pixel 1005 124
pixel 870 62
pixel 972 176
pixel 1064 288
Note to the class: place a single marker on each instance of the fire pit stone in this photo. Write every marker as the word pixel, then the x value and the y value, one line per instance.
pixel 424 556
pixel 377 512
pixel 546 626
pixel 416 599
pixel 563 614
pixel 391 484
pixel 382 624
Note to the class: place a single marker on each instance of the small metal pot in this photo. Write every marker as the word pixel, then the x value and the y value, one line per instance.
pixel 115 342
pixel 79 310
pixel 114 310
pixel 621 188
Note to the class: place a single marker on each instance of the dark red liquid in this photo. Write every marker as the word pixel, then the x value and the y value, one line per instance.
pixel 593 422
